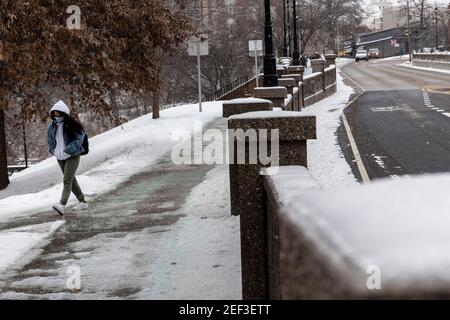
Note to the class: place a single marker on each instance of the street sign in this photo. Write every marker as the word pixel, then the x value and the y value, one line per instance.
pixel 255 45
pixel 397 45
pixel 393 42
pixel 198 45
pixel 255 48
pixel 407 33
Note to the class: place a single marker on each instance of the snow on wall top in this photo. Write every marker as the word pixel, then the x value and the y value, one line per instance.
pixel 312 75
pixel 272 114
pixel 401 226
pixel 247 100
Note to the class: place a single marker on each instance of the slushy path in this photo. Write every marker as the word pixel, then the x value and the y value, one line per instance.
pixel 130 241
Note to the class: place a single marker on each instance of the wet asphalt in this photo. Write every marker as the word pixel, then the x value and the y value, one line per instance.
pixel 400 122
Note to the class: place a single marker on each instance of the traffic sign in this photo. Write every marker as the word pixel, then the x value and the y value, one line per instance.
pixel 255 48
pixel 198 45
pixel 407 33
pixel 255 45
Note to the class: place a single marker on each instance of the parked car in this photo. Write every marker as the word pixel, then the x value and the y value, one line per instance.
pixel 427 50
pixel 362 55
pixel 374 53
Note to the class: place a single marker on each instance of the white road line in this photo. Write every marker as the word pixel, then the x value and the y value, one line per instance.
pixel 357 155
pixel 440 110
pixel 355 150
pixel 447 114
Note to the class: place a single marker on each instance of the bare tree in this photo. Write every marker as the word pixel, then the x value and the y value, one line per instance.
pixel 319 16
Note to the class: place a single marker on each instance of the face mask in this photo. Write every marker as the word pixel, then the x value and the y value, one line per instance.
pixel 59 119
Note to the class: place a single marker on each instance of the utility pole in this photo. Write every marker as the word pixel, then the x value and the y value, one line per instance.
pixel 285 48
pixel 270 63
pixel 25 150
pixel 409 33
pixel 296 55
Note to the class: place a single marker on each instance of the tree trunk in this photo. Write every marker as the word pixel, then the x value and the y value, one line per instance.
pixel 155 108
pixel 147 99
pixel 157 90
pixel 115 108
pixel 4 179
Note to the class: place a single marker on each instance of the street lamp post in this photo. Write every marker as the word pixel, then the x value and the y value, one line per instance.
pixel 285 47
pixel 270 63
pixel 296 54
pixel 436 11
pixel 409 31
pixel 289 27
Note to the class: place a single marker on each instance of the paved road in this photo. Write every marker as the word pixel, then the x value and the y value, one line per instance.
pixel 401 122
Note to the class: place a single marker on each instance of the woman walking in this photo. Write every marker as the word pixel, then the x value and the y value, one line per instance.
pixel 65 138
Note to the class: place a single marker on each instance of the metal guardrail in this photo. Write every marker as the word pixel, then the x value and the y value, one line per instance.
pixel 238 86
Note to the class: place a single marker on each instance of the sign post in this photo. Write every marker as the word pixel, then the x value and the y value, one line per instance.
pixel 255 47
pixel 198 46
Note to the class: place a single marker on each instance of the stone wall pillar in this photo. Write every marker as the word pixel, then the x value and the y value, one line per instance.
pixel 295 70
pixel 247 191
pixel 318 65
pixel 281 70
pixel 239 106
pixel 297 76
pixel 289 83
pixel 274 94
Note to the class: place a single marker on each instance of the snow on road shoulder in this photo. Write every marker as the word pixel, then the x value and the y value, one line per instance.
pixel 408 65
pixel 202 249
pixel 326 161
pixel 114 156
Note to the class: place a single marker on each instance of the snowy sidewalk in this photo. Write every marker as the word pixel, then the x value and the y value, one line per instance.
pixel 166 233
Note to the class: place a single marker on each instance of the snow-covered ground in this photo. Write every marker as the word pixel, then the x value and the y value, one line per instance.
pixel 326 161
pixel 205 246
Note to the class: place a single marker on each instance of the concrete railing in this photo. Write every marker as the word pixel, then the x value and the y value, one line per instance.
pixel 319 85
pixel 432 60
pixel 347 244
pixel 294 92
